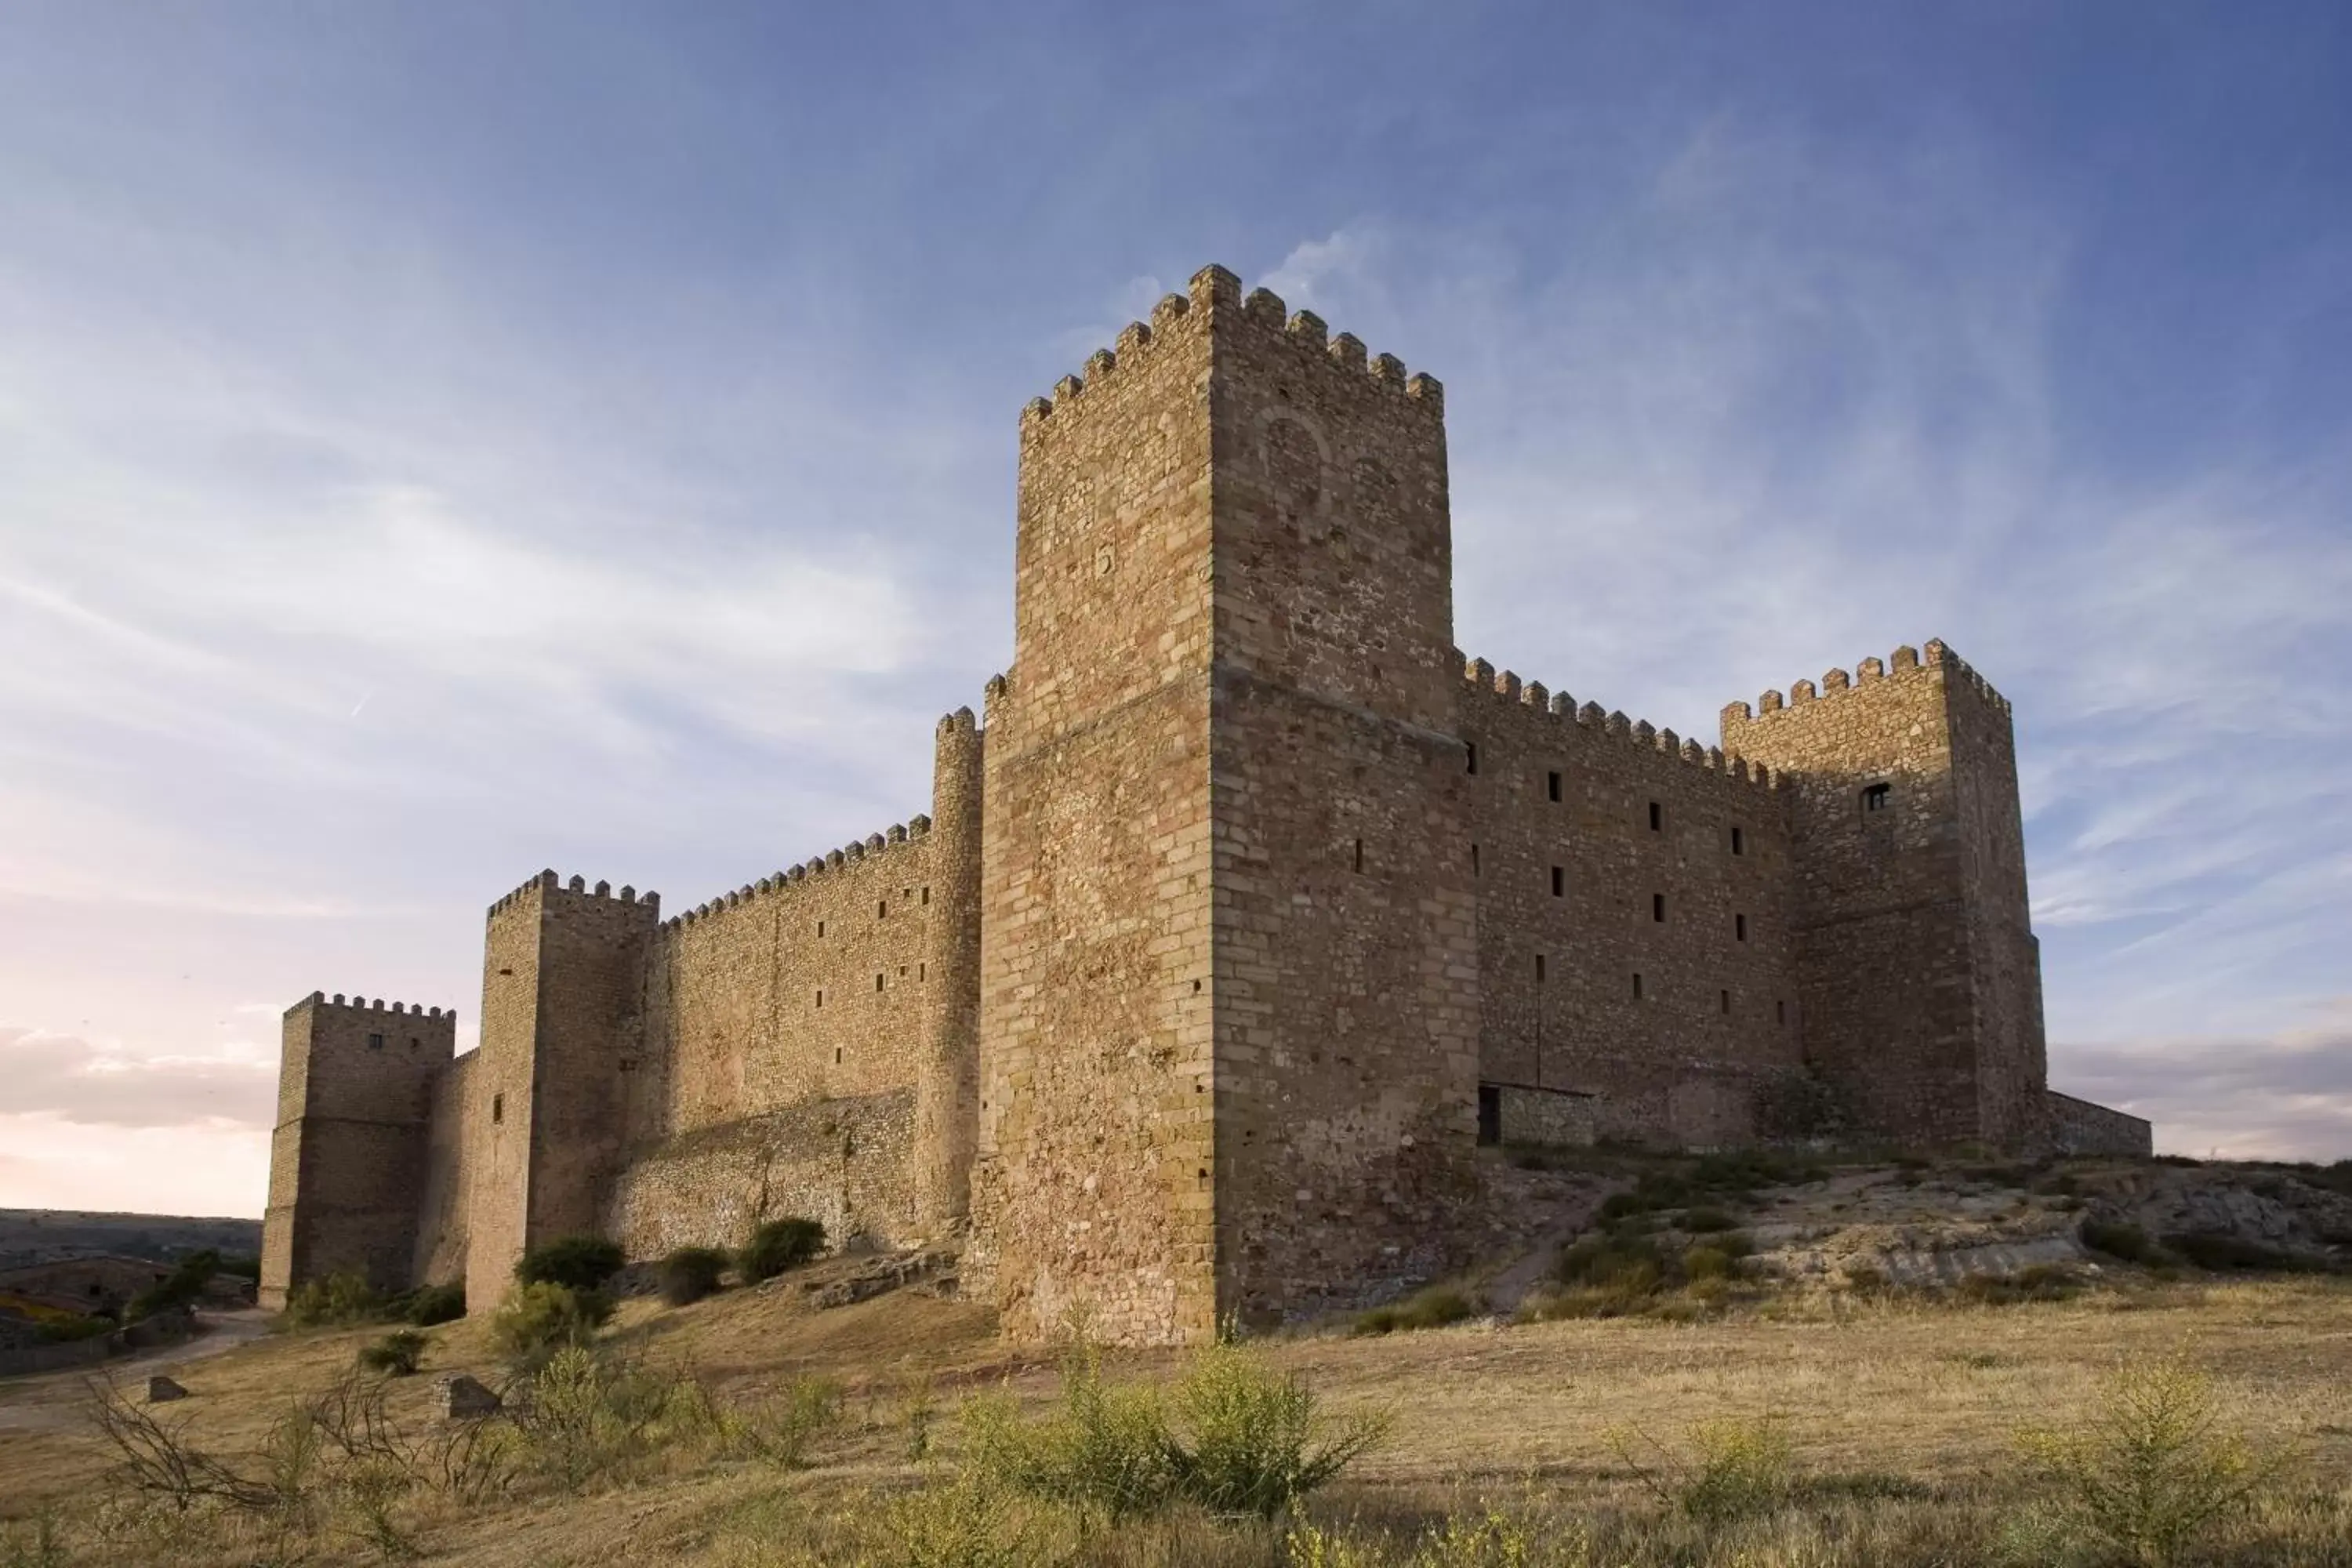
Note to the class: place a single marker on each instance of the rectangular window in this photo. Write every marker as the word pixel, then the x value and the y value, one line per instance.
pixel 1739 927
pixel 1471 748
pixel 820 928
pixel 820 995
pixel 1637 985
pixel 1726 1004
pixel 375 1042
pixel 881 909
pixel 877 983
pixel 1876 796
pixel 1560 881
pixel 922 971
pixel 1539 968
pixel 1551 784
pixel 1359 855
pixel 837 1056
pixel 927 896
pixel 1738 842
pixel 1658 908
pixel 1657 817
pixel 498 1108
pixel 1779 1011
pixel 1473 859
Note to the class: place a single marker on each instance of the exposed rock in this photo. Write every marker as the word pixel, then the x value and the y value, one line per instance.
pixel 161 1390
pixel 464 1399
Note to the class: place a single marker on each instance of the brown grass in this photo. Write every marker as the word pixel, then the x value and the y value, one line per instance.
pixel 1902 1416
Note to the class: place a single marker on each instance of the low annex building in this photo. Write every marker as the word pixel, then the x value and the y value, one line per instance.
pixel 1243 915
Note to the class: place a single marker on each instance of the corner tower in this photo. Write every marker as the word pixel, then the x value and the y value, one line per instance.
pixel 1229 1005
pixel 1918 969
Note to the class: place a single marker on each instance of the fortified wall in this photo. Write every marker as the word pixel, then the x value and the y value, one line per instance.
pixel 1243 916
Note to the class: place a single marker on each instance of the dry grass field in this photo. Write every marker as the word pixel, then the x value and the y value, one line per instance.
pixel 1849 1427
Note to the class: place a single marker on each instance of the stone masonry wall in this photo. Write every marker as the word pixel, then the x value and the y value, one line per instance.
pixel 1346 962
pixel 446 1197
pixel 844 1162
pixel 2079 1127
pixel 347 1164
pixel 499 1116
pixel 1882 889
pixel 1092 1184
pixel 809 987
pixel 1634 934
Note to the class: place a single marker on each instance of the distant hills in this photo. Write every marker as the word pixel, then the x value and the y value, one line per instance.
pixel 44 1235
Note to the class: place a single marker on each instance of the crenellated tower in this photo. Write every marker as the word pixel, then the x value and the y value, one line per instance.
pixel 1229 1005
pixel 1918 970
pixel 347 1162
pixel 563 985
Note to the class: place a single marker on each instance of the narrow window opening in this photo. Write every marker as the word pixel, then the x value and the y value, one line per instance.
pixel 413 1042
pixel 1657 817
pixel 1658 908
pixel 820 996
pixel 498 1108
pixel 1196 988
pixel 375 1042
pixel 1738 842
pixel 927 896
pixel 922 971
pixel 1471 748
pixel 837 1056
pixel 1779 1011
pixel 1490 1114
pixel 1539 968
pixel 1473 859
pixel 820 928
pixel 1359 855
pixel 881 909
pixel 1560 881
pixel 1876 796
pixel 1726 1004
pixel 1637 985
pixel 1739 927
pixel 1551 784
pixel 877 983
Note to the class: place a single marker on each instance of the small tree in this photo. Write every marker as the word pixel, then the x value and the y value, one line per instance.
pixel 536 1319
pixel 398 1354
pixel 575 1262
pixel 779 1245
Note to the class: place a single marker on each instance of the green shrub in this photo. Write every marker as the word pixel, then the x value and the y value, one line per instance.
pixel 177 1289
pixel 431 1304
pixel 1249 1439
pixel 57 1331
pixel 1709 1263
pixel 2117 1238
pixel 691 1273
pixel 776 1246
pixel 2153 1470
pixel 339 1299
pixel 1725 1470
pixel 398 1354
pixel 1430 1308
pixel 575 1262
pixel 974 1523
pixel 1102 1450
pixel 780 1428
pixel 536 1319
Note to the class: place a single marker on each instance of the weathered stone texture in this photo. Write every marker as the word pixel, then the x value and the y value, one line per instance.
pixel 347 1158
pixel 1243 916
pixel 2079 1127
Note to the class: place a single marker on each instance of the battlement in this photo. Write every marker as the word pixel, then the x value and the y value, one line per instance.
pixel 1217 292
pixel 319 999
pixel 548 882
pixel 873 846
pixel 1505 686
pixel 1907 663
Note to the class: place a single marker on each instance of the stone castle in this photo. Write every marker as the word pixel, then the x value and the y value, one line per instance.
pixel 1242 917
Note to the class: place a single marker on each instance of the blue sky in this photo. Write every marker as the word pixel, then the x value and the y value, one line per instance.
pixel 442 441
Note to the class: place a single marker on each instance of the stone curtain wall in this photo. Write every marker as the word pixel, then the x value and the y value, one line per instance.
pixel 2079 1127
pixel 809 989
pixel 1092 1188
pixel 347 1159
pixel 1346 962
pixel 499 1162
pixel 844 1163
pixel 1640 815
pixel 445 1200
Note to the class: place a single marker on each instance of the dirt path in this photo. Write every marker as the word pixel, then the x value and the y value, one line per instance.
pixel 1508 1289
pixel 51 1401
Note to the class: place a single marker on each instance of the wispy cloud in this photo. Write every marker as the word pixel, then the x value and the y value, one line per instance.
pixel 75 1081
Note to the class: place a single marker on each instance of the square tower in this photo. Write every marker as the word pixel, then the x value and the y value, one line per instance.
pixel 1918 971
pixel 1229 984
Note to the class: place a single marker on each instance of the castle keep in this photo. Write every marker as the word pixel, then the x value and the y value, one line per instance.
pixel 1242 916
